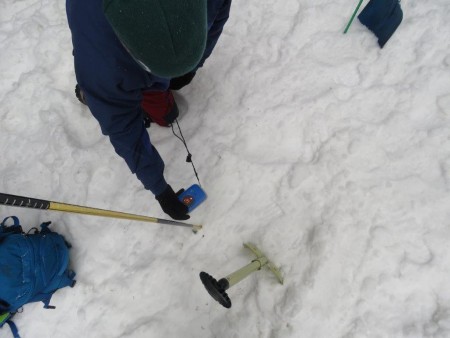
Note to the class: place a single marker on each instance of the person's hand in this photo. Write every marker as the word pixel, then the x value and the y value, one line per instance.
pixel 171 205
pixel 179 82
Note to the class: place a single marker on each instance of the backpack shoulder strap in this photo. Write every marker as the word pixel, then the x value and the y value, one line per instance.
pixel 13 328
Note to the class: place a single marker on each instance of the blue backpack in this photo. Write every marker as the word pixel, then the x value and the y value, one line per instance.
pixel 32 267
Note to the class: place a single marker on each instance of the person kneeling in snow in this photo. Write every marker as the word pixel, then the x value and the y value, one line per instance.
pixel 129 55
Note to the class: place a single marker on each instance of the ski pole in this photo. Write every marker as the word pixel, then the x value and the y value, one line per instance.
pixel 353 16
pixel 33 203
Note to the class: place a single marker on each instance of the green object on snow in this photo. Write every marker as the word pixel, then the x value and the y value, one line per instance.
pixel 353 16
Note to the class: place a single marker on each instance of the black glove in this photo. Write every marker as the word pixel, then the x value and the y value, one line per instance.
pixel 171 205
pixel 179 82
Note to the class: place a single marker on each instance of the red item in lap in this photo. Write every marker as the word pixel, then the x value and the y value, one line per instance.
pixel 160 107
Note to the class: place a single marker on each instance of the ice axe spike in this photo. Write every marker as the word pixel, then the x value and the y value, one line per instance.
pixel 217 289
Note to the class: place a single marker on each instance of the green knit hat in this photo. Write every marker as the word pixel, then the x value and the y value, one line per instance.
pixel 167 36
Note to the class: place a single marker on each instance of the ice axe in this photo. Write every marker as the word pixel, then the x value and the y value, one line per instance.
pixel 33 203
pixel 217 289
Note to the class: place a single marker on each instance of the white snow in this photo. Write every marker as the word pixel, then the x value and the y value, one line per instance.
pixel 328 153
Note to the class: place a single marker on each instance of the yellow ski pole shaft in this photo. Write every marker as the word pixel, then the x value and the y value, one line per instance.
pixel 33 203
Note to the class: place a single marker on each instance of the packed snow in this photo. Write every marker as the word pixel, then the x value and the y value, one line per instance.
pixel 330 154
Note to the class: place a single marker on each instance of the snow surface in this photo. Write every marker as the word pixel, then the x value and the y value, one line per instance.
pixel 331 155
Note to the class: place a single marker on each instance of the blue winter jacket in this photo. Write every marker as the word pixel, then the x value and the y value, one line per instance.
pixel 113 84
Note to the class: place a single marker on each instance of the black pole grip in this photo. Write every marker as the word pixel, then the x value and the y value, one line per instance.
pixel 24 202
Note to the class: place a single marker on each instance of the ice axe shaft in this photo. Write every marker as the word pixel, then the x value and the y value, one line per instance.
pixel 34 203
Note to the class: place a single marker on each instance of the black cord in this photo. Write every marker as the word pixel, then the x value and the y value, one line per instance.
pixel 36 230
pixel 189 155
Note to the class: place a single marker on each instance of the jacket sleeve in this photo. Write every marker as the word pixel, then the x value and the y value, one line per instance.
pixel 218 13
pixel 121 118
pixel 112 83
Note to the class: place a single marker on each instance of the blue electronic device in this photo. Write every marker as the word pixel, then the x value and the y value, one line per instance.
pixel 192 197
